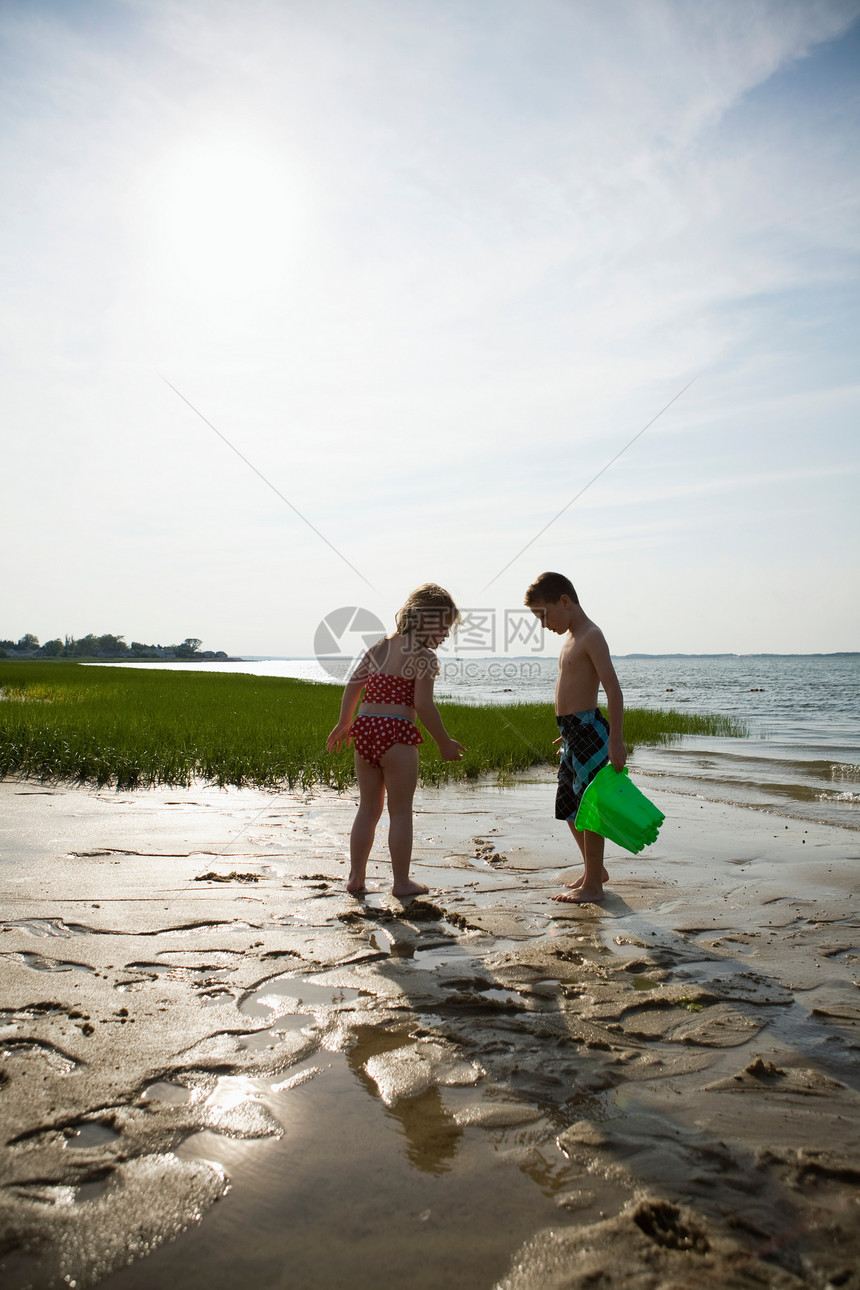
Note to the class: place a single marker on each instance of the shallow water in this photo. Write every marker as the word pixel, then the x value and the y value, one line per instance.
pixel 356 1189
pixel 353 1194
pixel 801 757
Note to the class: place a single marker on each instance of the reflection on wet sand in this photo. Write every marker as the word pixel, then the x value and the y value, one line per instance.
pixel 431 1134
pixel 369 1090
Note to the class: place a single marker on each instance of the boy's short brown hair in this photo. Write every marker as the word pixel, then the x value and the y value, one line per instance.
pixel 549 588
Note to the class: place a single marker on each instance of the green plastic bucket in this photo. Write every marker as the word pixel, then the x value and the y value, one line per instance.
pixel 613 806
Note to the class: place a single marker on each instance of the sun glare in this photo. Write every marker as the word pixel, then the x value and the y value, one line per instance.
pixel 227 216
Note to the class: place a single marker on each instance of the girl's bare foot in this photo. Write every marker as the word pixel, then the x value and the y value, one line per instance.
pixel 575 886
pixel 409 889
pixel 582 896
pixel 355 886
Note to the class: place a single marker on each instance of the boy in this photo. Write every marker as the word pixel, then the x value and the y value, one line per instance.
pixel 587 742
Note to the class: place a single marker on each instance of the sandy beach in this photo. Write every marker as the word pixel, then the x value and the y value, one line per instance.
pixel 220 1069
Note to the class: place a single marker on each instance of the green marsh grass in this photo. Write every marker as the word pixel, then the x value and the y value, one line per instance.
pixel 133 728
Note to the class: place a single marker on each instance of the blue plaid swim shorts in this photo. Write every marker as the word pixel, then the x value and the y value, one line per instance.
pixel 584 751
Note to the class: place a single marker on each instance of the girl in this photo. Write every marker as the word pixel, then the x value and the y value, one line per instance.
pixel 397 676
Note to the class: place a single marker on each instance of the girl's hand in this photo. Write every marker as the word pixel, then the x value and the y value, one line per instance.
pixel 339 736
pixel 450 750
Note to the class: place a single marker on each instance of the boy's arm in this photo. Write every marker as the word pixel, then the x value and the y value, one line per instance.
pixel 599 653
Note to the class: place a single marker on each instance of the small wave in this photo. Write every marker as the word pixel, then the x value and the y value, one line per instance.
pixel 839 797
pixel 844 770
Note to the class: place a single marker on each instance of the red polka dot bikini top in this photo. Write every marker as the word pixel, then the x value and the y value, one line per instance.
pixel 382 687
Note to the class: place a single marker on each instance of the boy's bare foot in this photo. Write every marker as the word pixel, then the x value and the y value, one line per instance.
pixel 575 886
pixel 582 896
pixel 409 889
pixel 355 886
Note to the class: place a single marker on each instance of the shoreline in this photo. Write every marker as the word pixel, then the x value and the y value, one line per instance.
pixel 662 1086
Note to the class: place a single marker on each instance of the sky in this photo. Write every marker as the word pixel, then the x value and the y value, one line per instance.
pixel 305 304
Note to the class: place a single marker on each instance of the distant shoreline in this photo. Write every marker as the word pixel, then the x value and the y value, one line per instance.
pixel 311 658
pixel 839 653
pixel 107 662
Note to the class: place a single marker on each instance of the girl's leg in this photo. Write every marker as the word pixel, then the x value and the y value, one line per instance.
pixel 371 789
pixel 400 768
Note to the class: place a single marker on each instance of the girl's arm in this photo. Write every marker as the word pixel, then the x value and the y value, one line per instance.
pixel 351 695
pixel 429 716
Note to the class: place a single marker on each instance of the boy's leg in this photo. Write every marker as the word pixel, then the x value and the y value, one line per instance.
pixel 371 789
pixel 590 890
pixel 579 839
pixel 585 747
pixel 400 768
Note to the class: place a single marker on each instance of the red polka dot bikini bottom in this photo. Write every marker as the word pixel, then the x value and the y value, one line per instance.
pixel 373 735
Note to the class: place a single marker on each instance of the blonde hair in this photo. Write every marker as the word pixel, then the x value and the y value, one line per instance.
pixel 430 603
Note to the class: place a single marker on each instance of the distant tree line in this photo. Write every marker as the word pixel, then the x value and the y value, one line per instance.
pixel 106 646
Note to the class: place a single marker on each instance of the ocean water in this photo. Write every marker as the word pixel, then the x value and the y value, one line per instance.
pixel 800 757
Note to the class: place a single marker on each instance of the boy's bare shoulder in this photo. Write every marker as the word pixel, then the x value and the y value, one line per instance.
pixel 592 633
pixel 600 657
pixel 589 640
pixel 586 634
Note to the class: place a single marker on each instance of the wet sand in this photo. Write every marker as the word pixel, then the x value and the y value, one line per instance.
pixel 220 1069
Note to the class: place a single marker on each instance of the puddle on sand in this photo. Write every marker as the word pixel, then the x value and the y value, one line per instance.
pixel 383 941
pixel 456 950
pixel 40 963
pixel 291 995
pixel 354 1193
pixel 162 1091
pixel 260 1040
pixel 232 1090
pixel 210 997
pixel 644 983
pixel 502 994
pixel 48 927
pixel 89 1134
pixel 442 956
